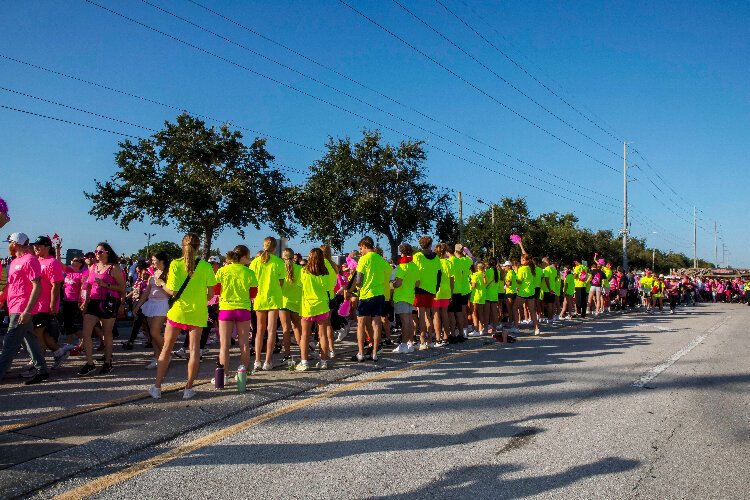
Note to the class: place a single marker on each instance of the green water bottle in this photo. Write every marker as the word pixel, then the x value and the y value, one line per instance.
pixel 241 379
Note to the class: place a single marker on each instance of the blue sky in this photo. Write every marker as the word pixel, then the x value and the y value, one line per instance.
pixel 672 78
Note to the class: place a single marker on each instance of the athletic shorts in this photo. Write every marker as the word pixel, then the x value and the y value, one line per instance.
pixel 423 300
pixel 441 303
pixel 403 308
pixel 318 318
pixel 647 294
pixel 387 310
pixel 549 298
pixel 537 292
pixel 48 322
pixel 511 296
pixel 181 326
pixel 465 299
pixel 371 307
pixel 596 289
pixel 455 305
pixel 234 315
pixel 94 309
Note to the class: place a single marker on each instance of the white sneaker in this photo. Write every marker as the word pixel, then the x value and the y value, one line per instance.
pixel 322 365
pixel 475 333
pixel 409 347
pixel 423 347
pixel 331 355
pixel 401 349
pixel 537 332
pixel 188 393
pixel 152 364
pixel 257 366
pixel 154 392
pixel 180 353
pixel 267 366
pixel 302 366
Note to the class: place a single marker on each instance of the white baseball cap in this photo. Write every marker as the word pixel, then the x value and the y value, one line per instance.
pixel 214 260
pixel 507 263
pixel 19 238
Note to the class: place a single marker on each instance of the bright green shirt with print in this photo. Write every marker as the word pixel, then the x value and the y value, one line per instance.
pixel 580 268
pixel 429 268
pixel 570 285
pixel 525 280
pixel 314 294
pixel 550 273
pixel 236 281
pixel 493 286
pixel 478 288
pixel 292 291
pixel 371 266
pixel 444 291
pixel 607 275
pixel 511 286
pixel 409 275
pixel 269 276
pixel 466 264
pixel 458 275
pixel 192 306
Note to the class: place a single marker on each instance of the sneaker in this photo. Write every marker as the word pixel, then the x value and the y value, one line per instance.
pixel 374 358
pixel 442 343
pixel 87 370
pixel 154 392
pixel 341 334
pixel 59 360
pixel 106 369
pixel 180 353
pixel 204 351
pixel 286 359
pixel 322 364
pixel 267 366
pixel 29 372
pixel 401 349
pixel 409 348
pixel 514 330
pixel 331 354
pixel 257 366
pixel 152 364
pixel 358 358
pixel 423 347
pixel 302 366
pixel 188 393
pixel 555 318
pixel 537 332
pixel 37 379
pixel 475 333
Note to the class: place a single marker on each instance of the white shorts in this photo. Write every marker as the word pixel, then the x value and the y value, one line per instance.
pixel 154 308
pixel 403 308
pixel 596 289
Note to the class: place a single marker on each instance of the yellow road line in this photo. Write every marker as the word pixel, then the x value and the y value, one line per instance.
pixel 104 482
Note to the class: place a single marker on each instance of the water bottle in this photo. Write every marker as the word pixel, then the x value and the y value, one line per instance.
pixel 219 376
pixel 241 379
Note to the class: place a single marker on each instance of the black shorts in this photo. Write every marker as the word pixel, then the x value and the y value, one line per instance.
pixel 511 296
pixel 373 306
pixel 465 299
pixel 549 298
pixel 48 322
pixel 501 297
pixel 537 292
pixel 456 303
pixel 72 319
pixel 387 310
pixel 95 309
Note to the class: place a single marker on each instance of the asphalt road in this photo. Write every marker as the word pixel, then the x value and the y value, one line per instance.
pixel 628 406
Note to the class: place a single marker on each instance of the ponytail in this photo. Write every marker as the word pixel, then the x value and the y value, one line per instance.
pixel 269 246
pixel 190 245
pixel 234 256
pixel 288 256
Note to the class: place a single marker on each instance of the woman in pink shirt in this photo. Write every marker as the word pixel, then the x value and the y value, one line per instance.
pixel 106 286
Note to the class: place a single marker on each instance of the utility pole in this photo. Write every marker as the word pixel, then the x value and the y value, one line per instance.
pixel 460 219
pixel 716 250
pixel 625 206
pixel 695 240
pixel 653 260
pixel 148 244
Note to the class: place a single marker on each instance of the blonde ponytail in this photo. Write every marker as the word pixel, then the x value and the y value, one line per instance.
pixel 190 245
pixel 269 246
pixel 288 255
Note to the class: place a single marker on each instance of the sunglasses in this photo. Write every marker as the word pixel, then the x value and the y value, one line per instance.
pixel 99 252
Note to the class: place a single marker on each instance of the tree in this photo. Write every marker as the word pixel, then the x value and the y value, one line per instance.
pixel 170 248
pixel 201 179
pixel 369 186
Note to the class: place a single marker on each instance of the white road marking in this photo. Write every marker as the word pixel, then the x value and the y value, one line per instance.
pixel 658 369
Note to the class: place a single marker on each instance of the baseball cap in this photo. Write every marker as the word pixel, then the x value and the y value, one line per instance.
pixel 214 260
pixel 19 238
pixel 507 263
pixel 43 240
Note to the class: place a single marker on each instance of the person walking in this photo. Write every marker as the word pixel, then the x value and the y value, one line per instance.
pixel 154 305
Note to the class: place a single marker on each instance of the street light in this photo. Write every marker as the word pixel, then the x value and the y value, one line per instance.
pixel 653 255
pixel 492 208
pixel 148 243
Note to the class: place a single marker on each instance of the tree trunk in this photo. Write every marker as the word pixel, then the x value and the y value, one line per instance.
pixel 208 236
pixel 394 247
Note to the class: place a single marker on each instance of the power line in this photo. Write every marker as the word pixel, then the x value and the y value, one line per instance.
pixel 503 79
pixel 472 85
pixel 358 115
pixel 525 71
pixel 316 80
pixel 69 122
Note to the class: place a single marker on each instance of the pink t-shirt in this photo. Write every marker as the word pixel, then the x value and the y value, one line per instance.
pixel 22 272
pixel 72 286
pixel 98 292
pixel 52 272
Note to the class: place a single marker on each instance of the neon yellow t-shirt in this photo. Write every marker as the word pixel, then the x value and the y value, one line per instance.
pixel 466 264
pixel 269 276
pixel 387 271
pixel 458 275
pixel 647 283
pixel 538 277
pixel 607 275
pixel 525 280
pixel 493 286
pixel 428 271
pixel 192 306
pixel 314 294
pixel 236 281
pixel 331 276
pixel 409 275
pixel 510 282
pixel 371 267
pixel 550 273
pixel 580 268
pixel 292 291
pixel 570 285
pixel 444 291
pixel 478 288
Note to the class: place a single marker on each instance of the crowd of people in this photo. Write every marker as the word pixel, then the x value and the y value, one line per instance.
pixel 432 296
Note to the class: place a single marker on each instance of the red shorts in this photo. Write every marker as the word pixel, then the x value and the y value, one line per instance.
pixel 423 300
pixel 181 326
pixel 441 303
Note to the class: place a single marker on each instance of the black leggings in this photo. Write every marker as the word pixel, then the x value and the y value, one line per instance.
pixel 582 299
pixel 672 301
pixel 137 323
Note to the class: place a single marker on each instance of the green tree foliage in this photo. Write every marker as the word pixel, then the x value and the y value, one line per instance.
pixel 200 179
pixel 369 186
pixel 172 250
